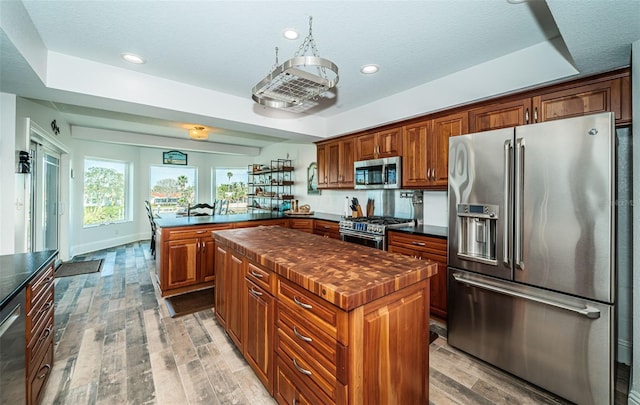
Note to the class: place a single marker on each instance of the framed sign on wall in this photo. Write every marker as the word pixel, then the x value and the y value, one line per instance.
pixel 174 157
pixel 312 179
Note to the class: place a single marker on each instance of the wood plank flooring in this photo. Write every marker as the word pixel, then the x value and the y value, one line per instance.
pixel 115 343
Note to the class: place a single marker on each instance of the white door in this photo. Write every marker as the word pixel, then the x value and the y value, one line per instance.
pixel 45 197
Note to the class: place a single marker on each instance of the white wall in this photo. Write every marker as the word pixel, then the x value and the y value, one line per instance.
pixel 7 172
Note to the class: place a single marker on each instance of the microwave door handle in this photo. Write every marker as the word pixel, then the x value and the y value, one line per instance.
pixel 385 174
pixel 506 245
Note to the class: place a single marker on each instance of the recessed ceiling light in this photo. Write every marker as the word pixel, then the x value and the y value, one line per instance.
pixel 132 58
pixel 369 69
pixel 290 33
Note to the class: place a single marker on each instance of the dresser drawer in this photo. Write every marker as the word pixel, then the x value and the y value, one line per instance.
pixel 321 313
pixel 39 285
pixel 309 371
pixel 37 315
pixel 291 390
pixel 311 340
pixel 261 277
pixel 426 244
pixel 40 342
pixel 39 375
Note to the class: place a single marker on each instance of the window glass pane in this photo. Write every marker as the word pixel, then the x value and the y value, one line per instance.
pixel 231 185
pixel 105 191
pixel 172 188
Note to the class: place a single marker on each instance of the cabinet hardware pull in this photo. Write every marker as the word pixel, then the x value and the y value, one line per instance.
pixel 535 115
pixel 302 304
pixel 49 279
pixel 300 369
pixel 45 334
pixel 46 306
pixel 201 232
pixel 48 367
pixel 254 292
pixel 256 275
pixel 413 242
pixel 301 336
pixel 526 116
pixel 326 227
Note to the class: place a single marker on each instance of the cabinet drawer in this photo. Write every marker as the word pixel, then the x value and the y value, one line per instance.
pixel 291 390
pixel 304 225
pixel 39 285
pixel 40 341
pixel 192 231
pixel 433 245
pixel 322 314
pixel 326 228
pixel 39 376
pixel 311 340
pixel 37 315
pixel 310 372
pixel 261 277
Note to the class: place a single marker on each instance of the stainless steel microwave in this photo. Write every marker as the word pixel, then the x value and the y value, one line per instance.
pixel 378 173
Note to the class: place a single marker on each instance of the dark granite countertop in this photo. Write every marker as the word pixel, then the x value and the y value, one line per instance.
pixel 18 269
pixel 426 230
pixel 171 221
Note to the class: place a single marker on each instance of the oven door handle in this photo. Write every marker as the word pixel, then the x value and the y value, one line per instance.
pixel 362 235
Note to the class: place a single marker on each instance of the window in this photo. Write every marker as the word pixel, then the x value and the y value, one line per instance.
pixel 231 185
pixel 172 189
pixel 105 191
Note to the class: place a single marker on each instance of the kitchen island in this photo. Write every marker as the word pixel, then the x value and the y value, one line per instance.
pixel 325 321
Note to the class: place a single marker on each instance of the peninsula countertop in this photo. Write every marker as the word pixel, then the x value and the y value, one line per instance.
pixel 18 269
pixel 343 273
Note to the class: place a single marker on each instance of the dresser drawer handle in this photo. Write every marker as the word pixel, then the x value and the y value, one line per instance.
pixel 256 275
pixel 254 292
pixel 47 368
pixel 300 369
pixel 46 306
pixel 418 243
pixel 302 304
pixel 300 336
pixel 45 334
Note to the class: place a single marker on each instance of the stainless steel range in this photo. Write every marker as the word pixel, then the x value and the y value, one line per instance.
pixel 371 231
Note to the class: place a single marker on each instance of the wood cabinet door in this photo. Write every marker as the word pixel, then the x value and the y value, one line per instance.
pixel 438 288
pixel 577 101
pixel 258 336
pixel 182 262
pixel 323 165
pixel 234 288
pixel 389 143
pixel 503 115
pixel 414 163
pixel 346 159
pixel 366 147
pixel 221 298
pixel 207 259
pixel 443 129
pixel 333 163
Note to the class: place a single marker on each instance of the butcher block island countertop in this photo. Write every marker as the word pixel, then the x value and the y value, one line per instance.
pixel 322 321
pixel 345 274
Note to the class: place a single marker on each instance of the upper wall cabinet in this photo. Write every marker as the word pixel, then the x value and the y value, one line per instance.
pixel 378 145
pixel 425 162
pixel 561 101
pixel 335 163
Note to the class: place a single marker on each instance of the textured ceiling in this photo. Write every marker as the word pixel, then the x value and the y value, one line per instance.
pixel 203 58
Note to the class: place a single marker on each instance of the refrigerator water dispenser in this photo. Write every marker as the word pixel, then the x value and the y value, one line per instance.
pixel 477 232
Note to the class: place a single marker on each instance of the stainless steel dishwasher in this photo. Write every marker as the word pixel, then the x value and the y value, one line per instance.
pixel 12 351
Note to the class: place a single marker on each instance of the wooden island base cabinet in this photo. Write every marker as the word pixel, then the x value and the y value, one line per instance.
pixel 345 328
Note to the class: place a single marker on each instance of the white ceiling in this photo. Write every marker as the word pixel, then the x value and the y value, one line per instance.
pixel 203 58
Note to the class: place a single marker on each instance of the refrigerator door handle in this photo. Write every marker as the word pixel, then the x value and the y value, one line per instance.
pixel 506 253
pixel 519 189
pixel 589 312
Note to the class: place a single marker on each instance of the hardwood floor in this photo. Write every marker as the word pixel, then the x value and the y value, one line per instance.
pixel 115 343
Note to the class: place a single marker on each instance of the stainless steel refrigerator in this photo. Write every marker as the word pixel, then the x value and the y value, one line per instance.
pixel 531 260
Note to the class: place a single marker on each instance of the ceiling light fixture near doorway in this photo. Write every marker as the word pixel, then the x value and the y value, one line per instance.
pixel 369 69
pixel 198 133
pixel 133 58
pixel 298 82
